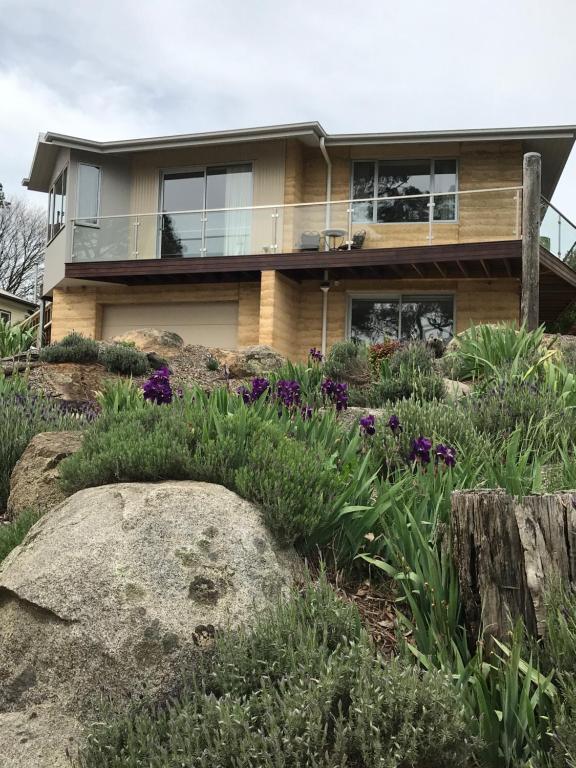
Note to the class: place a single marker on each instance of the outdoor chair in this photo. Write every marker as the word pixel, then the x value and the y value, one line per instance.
pixel 309 241
pixel 357 241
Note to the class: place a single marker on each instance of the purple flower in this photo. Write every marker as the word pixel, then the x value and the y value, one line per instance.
pixel 288 392
pixel 306 412
pixel 421 450
pixel 446 454
pixel 336 392
pixel 394 424
pixel 157 388
pixel 367 425
pixel 259 386
pixel 315 355
pixel 245 394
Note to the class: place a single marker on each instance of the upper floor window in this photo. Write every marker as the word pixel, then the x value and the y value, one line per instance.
pixel 396 181
pixel 57 205
pixel 88 194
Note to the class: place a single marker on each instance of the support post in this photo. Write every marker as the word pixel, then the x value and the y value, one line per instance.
pixel 532 173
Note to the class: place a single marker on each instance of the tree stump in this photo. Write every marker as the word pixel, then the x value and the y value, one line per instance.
pixel 508 551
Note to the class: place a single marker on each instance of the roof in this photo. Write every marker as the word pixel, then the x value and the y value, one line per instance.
pixel 18 300
pixel 554 143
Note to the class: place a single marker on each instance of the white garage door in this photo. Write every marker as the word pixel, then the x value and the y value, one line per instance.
pixel 214 324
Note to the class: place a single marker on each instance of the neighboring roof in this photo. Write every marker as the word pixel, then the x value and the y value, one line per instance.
pixel 17 300
pixel 553 142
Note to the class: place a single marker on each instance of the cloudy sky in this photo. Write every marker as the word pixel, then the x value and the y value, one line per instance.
pixel 127 68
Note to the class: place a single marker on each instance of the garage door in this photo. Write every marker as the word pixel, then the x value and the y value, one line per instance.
pixel 214 324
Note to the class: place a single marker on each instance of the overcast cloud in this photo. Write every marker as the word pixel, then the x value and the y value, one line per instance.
pixel 123 69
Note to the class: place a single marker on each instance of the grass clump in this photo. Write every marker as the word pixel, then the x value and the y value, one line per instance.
pixel 119 395
pixel 12 534
pixel 15 339
pixel 305 687
pixel 123 359
pixel 73 348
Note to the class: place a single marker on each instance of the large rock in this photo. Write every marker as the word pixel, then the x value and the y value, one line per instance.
pixel 121 586
pixel 78 382
pixel 163 343
pixel 34 483
pixel 252 361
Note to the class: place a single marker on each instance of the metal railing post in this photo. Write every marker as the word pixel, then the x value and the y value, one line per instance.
pixel 559 236
pixel 349 212
pixel 430 219
pixel 136 237
pixel 275 216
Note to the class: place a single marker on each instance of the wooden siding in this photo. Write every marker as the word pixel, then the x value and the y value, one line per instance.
pixel 80 309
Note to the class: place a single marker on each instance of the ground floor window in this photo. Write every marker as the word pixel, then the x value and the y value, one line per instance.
pixel 5 315
pixel 409 317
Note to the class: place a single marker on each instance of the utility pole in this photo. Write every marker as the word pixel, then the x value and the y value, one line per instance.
pixel 532 175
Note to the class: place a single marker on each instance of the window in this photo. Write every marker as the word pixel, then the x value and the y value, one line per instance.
pixel 399 180
pixel 57 205
pixel 5 315
pixel 217 232
pixel 372 319
pixel 88 194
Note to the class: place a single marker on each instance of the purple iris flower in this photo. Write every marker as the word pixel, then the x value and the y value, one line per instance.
pixel 259 386
pixel 394 424
pixel 315 355
pixel 368 425
pixel 157 388
pixel 336 392
pixel 306 412
pixel 421 450
pixel 288 392
pixel 446 454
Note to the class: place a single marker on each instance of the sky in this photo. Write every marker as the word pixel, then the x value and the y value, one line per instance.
pixel 117 69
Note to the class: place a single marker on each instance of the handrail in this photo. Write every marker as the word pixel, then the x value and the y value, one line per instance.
pixel 331 203
pixel 557 211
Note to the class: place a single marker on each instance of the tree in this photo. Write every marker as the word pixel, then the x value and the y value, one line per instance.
pixel 22 246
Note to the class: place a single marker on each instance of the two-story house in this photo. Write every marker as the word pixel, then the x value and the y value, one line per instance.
pixel 292 237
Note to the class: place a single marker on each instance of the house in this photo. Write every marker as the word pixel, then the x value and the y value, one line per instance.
pixel 13 309
pixel 292 237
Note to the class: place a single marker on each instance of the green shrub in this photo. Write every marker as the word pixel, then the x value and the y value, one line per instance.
pixel 501 351
pixel 123 359
pixel 305 687
pixel 12 534
pixel 73 348
pixel 413 357
pixel 120 395
pixel 212 364
pixel 14 339
pixel 23 415
pixel 381 393
pixel 347 361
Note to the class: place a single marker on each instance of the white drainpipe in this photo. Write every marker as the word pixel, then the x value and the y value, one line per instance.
pixel 325 285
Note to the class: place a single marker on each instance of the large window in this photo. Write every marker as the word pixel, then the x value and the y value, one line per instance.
pixel 57 205
pixel 396 181
pixel 216 227
pixel 373 319
pixel 88 194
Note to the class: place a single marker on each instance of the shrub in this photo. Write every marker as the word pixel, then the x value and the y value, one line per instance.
pixel 120 395
pixel 123 359
pixel 12 534
pixel 73 348
pixel 212 364
pixel 305 687
pixel 14 339
pixel 419 386
pixel 413 357
pixel 347 361
pixel 379 352
pixel 21 417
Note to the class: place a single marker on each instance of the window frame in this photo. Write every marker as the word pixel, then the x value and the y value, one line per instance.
pixel 432 162
pixel 401 297
pixel 84 221
pixel 50 234
pixel 6 315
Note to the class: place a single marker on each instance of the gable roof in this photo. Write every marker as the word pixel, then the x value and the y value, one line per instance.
pixel 554 143
pixel 17 300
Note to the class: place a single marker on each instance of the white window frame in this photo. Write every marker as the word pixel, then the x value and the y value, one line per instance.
pixel 51 200
pixel 401 297
pixel 399 160
pixel 84 222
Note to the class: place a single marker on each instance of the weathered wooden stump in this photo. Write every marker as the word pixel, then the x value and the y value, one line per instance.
pixel 508 551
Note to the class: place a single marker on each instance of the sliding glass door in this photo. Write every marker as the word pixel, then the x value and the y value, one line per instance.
pixel 206 232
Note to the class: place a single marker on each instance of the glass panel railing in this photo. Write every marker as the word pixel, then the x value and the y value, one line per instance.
pixel 557 233
pixel 477 216
pixel 103 239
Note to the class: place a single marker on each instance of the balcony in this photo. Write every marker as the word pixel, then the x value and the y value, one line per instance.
pixel 557 233
pixel 360 225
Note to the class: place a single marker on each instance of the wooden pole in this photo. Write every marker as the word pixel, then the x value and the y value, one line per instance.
pixel 531 240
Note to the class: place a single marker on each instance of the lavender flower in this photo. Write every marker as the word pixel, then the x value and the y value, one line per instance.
pixel 446 454
pixel 421 450
pixel 315 355
pixel 367 425
pixel 157 388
